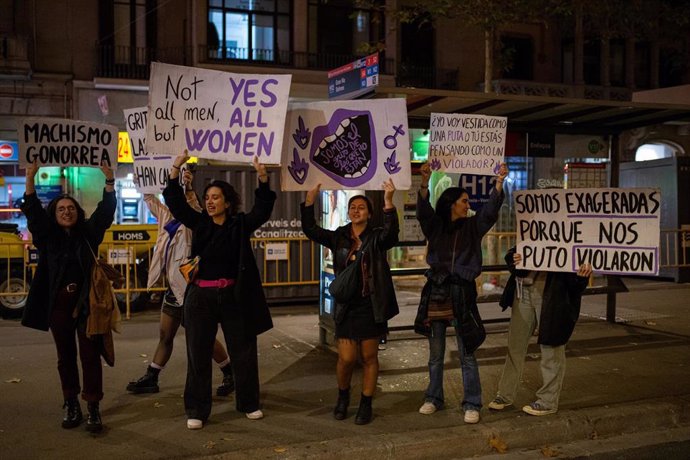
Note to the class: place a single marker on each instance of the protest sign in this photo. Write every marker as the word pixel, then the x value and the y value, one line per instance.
pixel 217 115
pixel 465 143
pixel 150 172
pixel 614 230
pixel 63 142
pixel 346 145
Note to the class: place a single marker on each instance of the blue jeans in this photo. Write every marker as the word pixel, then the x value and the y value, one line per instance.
pixel 470 370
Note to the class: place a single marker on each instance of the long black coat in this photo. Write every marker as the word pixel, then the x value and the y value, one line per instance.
pixel 248 291
pixel 53 243
pixel 381 239
pixel 561 300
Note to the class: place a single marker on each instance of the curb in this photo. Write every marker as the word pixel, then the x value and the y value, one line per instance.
pixel 522 432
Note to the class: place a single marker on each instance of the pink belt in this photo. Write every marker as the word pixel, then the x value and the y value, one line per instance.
pixel 220 283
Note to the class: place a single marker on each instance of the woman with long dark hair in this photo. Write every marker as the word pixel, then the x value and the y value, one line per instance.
pixel 449 297
pixel 59 295
pixel 361 322
pixel 227 290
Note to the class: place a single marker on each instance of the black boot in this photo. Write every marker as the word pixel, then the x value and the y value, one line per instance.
pixel 93 421
pixel 228 385
pixel 147 384
pixel 364 412
pixel 340 411
pixel 73 415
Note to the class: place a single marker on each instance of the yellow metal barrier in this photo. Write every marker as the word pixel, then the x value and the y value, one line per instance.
pixel 295 262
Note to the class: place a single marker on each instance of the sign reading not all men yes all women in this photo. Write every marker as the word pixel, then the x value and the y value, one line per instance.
pixel 346 145
pixel 614 230
pixel 216 115
pixel 150 171
pixel 466 143
pixel 64 142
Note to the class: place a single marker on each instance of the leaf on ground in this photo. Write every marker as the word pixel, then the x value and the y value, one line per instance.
pixel 210 445
pixel 498 444
pixel 593 435
pixel 143 355
pixel 157 404
pixel 13 380
pixel 650 323
pixel 279 450
pixel 277 345
pixel 547 451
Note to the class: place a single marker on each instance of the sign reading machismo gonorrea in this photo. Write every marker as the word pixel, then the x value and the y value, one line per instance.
pixel 614 230
pixel 64 142
pixel 216 115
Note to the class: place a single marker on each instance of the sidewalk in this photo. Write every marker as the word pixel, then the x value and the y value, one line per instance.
pixel 621 378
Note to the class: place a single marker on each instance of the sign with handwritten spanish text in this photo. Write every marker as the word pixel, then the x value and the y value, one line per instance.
pixel 217 115
pixel 64 142
pixel 150 172
pixel 346 145
pixel 615 230
pixel 467 143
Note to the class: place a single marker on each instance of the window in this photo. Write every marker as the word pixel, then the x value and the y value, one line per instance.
pixel 657 150
pixel 129 34
pixel 339 32
pixel 256 30
pixel 515 58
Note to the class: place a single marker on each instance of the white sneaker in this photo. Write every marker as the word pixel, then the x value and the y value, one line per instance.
pixel 194 424
pixel 256 415
pixel 471 416
pixel 427 408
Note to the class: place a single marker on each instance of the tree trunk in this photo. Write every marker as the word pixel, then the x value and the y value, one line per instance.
pixel 488 59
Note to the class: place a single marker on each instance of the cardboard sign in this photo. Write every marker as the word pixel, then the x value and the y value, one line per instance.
pixel 63 142
pixel 346 145
pixel 216 115
pixel 468 144
pixel 150 172
pixel 614 230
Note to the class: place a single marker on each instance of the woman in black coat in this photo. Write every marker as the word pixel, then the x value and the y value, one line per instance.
pixel 226 290
pixel 362 320
pixel 59 295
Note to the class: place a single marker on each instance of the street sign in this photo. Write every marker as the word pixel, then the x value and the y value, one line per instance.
pixel 354 79
pixel 9 151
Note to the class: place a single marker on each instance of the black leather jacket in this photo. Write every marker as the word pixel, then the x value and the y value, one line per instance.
pixel 380 240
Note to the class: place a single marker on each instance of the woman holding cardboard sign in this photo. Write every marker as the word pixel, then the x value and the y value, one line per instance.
pixel 449 297
pixel 226 290
pixel 59 295
pixel 363 290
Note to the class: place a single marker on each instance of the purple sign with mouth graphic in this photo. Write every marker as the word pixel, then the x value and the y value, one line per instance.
pixel 346 145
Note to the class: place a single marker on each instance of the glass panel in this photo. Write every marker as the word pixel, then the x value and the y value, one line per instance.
pixel 283 45
pixel 140 25
pixel 360 30
pixel 262 37
pixel 236 39
pixel 283 6
pixel 122 33
pixel 216 3
pixel 215 25
pixel 253 5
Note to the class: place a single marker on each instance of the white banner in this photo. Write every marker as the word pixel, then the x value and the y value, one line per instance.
pixel 346 145
pixel 468 144
pixel 217 115
pixel 63 142
pixel 615 230
pixel 150 172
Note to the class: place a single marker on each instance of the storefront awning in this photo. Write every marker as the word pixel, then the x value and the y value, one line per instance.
pixel 538 113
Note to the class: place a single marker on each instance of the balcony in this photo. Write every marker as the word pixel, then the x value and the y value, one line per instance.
pixel 134 63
